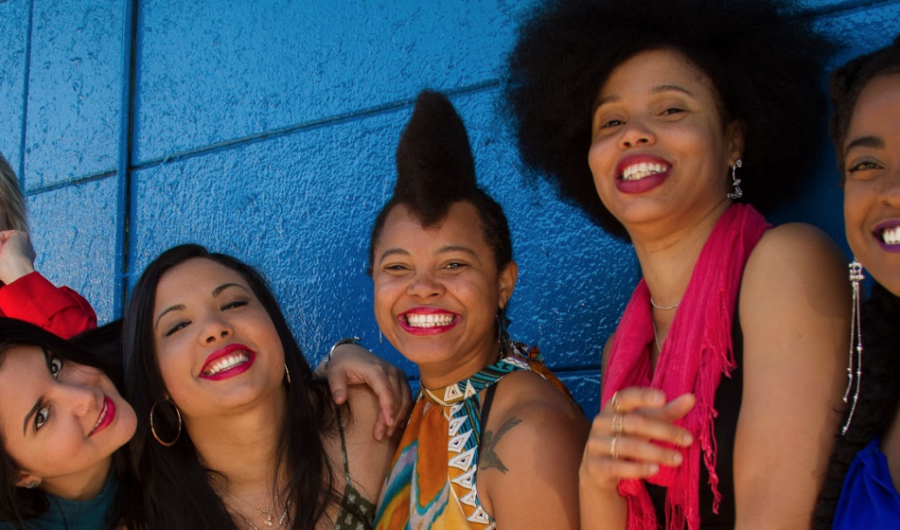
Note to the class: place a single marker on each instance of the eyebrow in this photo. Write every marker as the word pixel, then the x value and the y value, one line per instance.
pixel 392 252
pixel 656 90
pixel 181 307
pixel 34 409
pixel 457 248
pixel 448 248
pixel 218 290
pixel 865 141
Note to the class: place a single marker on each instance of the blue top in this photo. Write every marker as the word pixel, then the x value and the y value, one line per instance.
pixel 75 515
pixel 868 498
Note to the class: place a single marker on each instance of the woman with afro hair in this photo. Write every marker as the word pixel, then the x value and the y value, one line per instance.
pixel 861 486
pixel 673 123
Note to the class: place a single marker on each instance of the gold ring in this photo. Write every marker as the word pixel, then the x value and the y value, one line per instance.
pixel 615 401
pixel 614 447
pixel 617 423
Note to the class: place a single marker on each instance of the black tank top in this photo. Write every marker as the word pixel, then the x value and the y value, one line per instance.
pixel 728 405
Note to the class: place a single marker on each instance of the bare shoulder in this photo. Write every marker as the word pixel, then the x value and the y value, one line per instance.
pixel 529 454
pixel 796 244
pixel 794 266
pixel 367 458
pixel 529 412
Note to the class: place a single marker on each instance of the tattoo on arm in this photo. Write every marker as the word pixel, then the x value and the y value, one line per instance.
pixel 489 457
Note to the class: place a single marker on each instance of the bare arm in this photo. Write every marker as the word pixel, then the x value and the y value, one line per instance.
pixel 794 311
pixel 528 465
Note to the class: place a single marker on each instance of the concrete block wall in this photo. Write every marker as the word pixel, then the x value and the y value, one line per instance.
pixel 267 129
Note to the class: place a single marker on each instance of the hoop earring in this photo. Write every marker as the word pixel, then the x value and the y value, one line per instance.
pixel 736 182
pixel 856 276
pixel 287 373
pixel 153 427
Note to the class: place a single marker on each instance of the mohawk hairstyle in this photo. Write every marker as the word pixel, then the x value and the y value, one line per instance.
pixel 764 64
pixel 435 169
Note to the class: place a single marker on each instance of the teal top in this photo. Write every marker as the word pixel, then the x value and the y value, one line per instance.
pixel 75 515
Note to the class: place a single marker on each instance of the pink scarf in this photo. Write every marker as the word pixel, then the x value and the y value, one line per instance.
pixel 698 351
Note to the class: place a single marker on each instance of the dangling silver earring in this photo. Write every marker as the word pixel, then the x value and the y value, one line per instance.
pixel 736 182
pixel 856 276
pixel 33 484
pixel 380 336
pixel 287 373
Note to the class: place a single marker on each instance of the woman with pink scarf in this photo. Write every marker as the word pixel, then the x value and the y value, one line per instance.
pixel 673 123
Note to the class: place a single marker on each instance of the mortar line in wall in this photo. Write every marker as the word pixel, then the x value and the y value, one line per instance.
pixel 123 170
pixel 68 183
pixel 384 108
pixel 25 87
pixel 846 7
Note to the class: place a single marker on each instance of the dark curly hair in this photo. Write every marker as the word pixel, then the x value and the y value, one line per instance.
pixel 879 397
pixel 435 169
pixel 848 81
pixel 765 67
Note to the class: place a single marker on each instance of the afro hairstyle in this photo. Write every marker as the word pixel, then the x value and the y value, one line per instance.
pixel 765 67
pixel 435 170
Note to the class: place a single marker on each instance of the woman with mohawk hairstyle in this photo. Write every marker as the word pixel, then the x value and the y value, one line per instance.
pixel 494 439
pixel 673 123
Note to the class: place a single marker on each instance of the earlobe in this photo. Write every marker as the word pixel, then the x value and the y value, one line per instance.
pixel 735 134
pixel 507 282
pixel 27 480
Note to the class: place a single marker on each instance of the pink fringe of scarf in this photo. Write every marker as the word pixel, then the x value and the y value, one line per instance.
pixel 698 351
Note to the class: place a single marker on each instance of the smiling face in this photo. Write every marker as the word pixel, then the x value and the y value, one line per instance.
pixel 217 347
pixel 437 292
pixel 60 421
pixel 660 153
pixel 872 180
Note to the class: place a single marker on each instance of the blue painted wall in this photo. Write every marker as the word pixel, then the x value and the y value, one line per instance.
pixel 266 130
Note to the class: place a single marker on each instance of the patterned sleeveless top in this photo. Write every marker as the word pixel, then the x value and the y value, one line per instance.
pixel 432 479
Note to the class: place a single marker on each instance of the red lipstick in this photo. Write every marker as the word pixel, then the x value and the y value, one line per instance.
pixel 106 416
pixel 243 361
pixel 644 184
pixel 426 321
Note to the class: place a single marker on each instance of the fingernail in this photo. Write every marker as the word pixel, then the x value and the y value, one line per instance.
pixel 677 459
pixel 687 439
pixel 654 469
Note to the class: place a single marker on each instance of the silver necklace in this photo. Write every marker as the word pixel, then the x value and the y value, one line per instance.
pixel 656 335
pixel 666 307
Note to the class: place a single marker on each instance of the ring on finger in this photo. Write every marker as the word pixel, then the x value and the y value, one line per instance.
pixel 617 423
pixel 614 447
pixel 615 401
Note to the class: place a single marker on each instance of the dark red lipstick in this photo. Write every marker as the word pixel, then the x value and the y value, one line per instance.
pixel 443 321
pixel 646 183
pixel 234 370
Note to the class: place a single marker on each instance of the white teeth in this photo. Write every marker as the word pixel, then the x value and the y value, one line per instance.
pixel 891 236
pixel 641 170
pixel 224 363
pixel 429 320
pixel 101 417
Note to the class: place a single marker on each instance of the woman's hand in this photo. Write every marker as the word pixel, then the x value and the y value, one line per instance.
pixel 16 256
pixel 352 364
pixel 621 446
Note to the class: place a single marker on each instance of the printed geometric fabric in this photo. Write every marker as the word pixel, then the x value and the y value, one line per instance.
pixel 431 484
